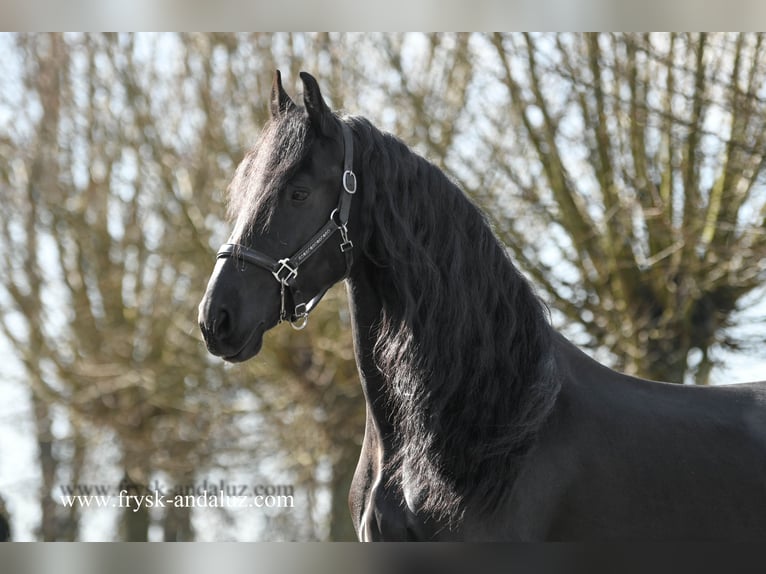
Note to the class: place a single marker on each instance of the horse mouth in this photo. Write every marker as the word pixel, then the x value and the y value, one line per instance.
pixel 250 348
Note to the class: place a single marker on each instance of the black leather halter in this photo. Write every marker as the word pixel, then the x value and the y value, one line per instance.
pixel 285 271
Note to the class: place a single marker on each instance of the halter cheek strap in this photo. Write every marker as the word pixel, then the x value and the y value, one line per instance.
pixel 285 271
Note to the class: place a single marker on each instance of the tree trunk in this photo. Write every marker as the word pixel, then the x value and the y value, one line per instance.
pixel 135 524
pixel 177 525
pixel 135 519
pixel 48 529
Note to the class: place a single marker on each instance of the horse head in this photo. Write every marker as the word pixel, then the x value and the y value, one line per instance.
pixel 290 200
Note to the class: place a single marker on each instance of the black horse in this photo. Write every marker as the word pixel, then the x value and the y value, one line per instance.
pixel 483 423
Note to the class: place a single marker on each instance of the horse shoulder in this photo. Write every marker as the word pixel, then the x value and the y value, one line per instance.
pixel 551 471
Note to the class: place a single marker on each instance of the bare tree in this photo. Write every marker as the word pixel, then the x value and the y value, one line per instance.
pixel 642 157
pixel 115 200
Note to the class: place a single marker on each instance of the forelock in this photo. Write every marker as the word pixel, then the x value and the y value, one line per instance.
pixel 281 148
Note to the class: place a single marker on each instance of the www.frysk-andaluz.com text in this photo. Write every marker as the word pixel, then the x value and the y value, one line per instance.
pixel 201 495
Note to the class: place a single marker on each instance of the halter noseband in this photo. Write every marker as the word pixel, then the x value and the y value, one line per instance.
pixel 285 271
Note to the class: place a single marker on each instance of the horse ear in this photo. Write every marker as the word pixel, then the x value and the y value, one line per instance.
pixel 280 101
pixel 318 111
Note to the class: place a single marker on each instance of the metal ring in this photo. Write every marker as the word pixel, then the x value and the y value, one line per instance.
pixel 300 322
pixel 350 189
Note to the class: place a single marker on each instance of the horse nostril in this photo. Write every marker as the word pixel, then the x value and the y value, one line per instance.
pixel 222 324
pixel 215 323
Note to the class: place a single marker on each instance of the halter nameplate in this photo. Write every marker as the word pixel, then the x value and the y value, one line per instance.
pixel 314 245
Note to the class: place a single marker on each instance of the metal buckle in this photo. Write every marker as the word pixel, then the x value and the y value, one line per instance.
pixel 292 273
pixel 349 187
pixel 346 244
pixel 301 317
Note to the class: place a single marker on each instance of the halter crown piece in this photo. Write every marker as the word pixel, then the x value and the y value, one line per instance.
pixel 285 271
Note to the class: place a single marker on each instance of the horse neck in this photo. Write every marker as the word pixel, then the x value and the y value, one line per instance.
pixel 452 345
pixel 366 308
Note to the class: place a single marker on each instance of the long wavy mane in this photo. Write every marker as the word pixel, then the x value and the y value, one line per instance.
pixel 463 340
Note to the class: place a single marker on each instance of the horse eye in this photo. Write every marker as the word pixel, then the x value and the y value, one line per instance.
pixel 300 194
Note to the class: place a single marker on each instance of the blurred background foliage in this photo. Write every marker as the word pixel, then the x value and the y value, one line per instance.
pixel 624 172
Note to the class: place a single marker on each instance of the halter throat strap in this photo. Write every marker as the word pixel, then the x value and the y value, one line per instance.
pixel 285 270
